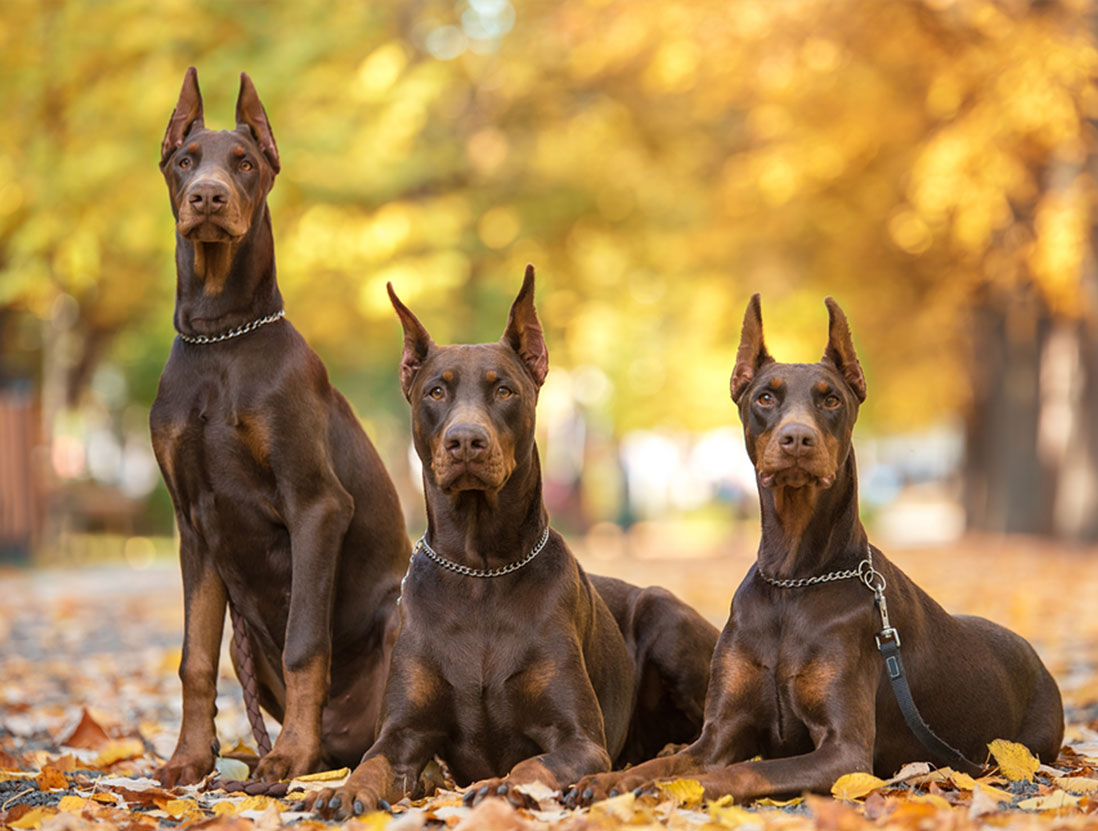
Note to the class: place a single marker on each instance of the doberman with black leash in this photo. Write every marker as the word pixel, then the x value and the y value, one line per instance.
pixel 286 515
pixel 808 672
pixel 512 664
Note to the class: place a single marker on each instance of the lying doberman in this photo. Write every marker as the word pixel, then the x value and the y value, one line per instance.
pixel 796 677
pixel 512 664
pixel 285 512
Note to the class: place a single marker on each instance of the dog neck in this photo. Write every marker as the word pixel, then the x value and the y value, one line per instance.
pixel 485 530
pixel 223 285
pixel 811 530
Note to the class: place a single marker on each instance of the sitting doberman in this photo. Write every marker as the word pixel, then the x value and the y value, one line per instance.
pixel 796 677
pixel 285 512
pixel 512 664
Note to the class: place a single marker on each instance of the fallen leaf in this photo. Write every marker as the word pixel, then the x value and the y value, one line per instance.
pixel 183 809
pixel 259 802
pixel 619 807
pixel 72 804
pixel 489 815
pixel 1076 784
pixel 324 775
pixel 982 802
pixel 33 818
pixel 1015 761
pixel 378 820
pixel 967 783
pixel 851 786
pixel 88 734
pixel 105 797
pixel 51 779
pixel 688 792
pixel 118 750
pixel 767 802
pixel 1055 801
pixel 930 799
pixel 232 769
pixel 727 815
pixel 910 771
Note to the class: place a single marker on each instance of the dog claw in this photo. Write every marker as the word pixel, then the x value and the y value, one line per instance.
pixel 335 803
pixel 320 803
pixel 637 791
pixel 384 805
pixel 359 807
pixel 613 792
pixel 470 795
pixel 501 790
pixel 588 794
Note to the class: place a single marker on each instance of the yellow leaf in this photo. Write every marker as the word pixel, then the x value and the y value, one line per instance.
pixel 930 799
pixel 618 807
pixel 183 808
pixel 104 796
pixel 1076 784
pixel 224 808
pixel 727 815
pixel 33 818
pixel 71 804
pixel 767 802
pixel 1015 761
pixel 324 775
pixel 259 802
pixel 855 785
pixel 688 792
pixel 373 821
pixel 1055 801
pixel 118 750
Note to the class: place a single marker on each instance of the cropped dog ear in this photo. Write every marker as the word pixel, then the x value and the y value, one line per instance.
pixel 186 115
pixel 752 354
pixel 523 332
pixel 417 343
pixel 840 349
pixel 249 111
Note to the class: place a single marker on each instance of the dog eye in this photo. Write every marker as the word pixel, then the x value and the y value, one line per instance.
pixel 766 399
pixel 832 401
pixel 504 392
pixel 184 162
pixel 436 393
pixel 245 165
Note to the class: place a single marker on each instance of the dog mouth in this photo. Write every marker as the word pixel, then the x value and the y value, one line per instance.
pixel 470 476
pixel 794 476
pixel 208 229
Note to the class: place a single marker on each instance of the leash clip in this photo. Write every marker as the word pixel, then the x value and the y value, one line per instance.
pixel 887 634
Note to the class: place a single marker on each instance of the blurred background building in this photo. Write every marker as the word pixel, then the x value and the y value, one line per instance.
pixel 931 164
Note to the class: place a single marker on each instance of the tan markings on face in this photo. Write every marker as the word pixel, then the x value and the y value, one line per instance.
pixel 448 376
pixel 762 442
pixel 192 147
pixel 421 684
pixel 238 151
pixel 491 376
pixel 822 387
pixel 776 383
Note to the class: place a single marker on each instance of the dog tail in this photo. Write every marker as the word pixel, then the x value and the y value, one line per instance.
pixel 247 680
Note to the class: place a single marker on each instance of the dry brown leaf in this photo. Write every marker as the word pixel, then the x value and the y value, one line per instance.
pixel 88 734
pixel 1076 784
pixel 51 779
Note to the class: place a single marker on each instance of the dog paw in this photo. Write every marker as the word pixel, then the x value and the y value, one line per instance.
pixel 600 786
pixel 185 769
pixel 285 764
pixel 502 788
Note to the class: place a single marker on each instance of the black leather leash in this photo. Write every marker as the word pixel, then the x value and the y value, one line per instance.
pixel 888 644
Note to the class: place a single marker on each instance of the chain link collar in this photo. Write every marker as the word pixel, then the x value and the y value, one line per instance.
pixel 873 579
pixel 425 548
pixel 233 333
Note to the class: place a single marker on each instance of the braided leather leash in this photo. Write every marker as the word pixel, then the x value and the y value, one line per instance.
pixel 248 682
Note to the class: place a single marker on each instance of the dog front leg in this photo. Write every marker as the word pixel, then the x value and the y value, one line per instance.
pixel 205 599
pixel 317 530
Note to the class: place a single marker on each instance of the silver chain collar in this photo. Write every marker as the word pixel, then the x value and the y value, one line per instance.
pixel 423 546
pixel 234 333
pixel 873 579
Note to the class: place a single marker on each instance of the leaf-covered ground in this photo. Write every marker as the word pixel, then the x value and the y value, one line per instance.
pixel 89 706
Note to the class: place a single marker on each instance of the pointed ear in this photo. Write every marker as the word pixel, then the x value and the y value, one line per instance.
pixel 417 343
pixel 186 115
pixel 523 332
pixel 249 110
pixel 840 349
pixel 752 354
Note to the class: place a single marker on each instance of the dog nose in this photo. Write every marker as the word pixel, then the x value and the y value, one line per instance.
pixel 797 439
pixel 465 442
pixel 208 197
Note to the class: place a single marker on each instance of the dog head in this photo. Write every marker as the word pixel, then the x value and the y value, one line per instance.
pixel 797 418
pixel 473 405
pixel 218 180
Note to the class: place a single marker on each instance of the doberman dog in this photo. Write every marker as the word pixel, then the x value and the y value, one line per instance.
pixel 284 509
pixel 796 677
pixel 512 664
